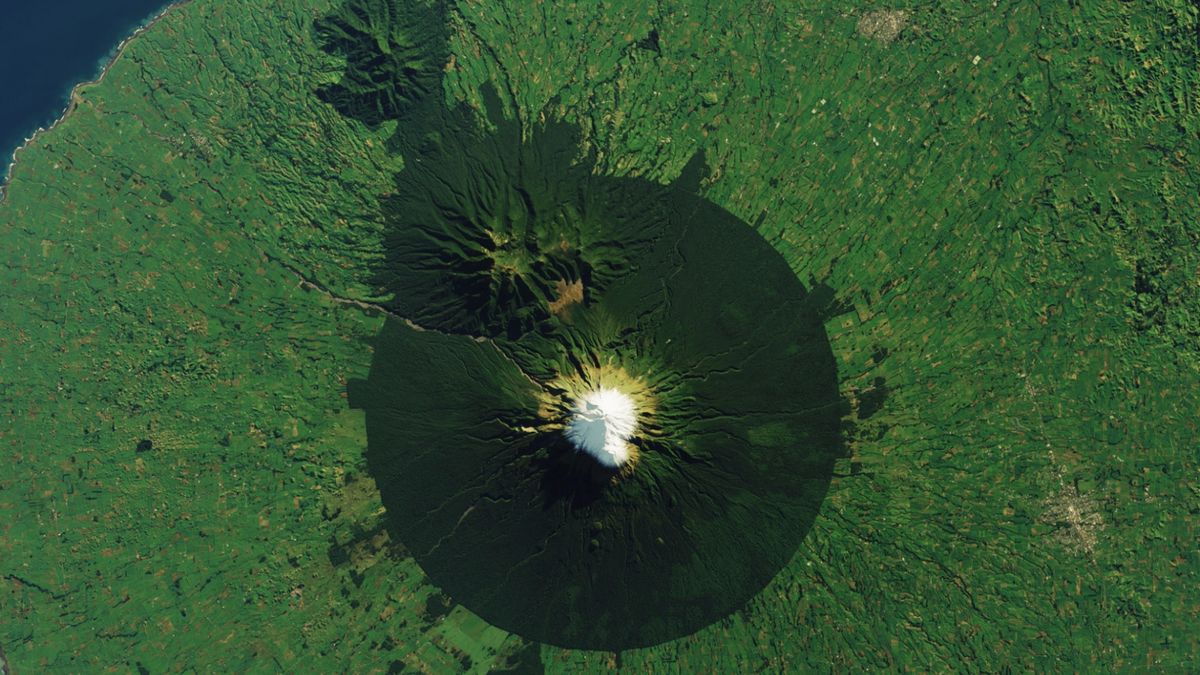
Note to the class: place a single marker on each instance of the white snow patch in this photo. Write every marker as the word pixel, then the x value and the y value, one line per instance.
pixel 601 425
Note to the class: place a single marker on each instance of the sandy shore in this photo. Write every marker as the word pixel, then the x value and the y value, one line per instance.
pixel 73 98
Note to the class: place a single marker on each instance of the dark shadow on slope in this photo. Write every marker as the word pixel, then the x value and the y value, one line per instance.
pixel 486 229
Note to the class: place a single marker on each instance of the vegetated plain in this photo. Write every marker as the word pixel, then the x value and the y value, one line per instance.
pixel 1001 199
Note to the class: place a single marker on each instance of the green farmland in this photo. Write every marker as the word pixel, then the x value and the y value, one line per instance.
pixel 285 291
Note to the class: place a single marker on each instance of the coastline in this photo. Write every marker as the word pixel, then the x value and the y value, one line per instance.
pixel 73 96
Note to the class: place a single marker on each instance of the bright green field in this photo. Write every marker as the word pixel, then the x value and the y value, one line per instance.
pixel 1004 200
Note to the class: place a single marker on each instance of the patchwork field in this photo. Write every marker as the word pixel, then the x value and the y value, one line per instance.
pixel 989 210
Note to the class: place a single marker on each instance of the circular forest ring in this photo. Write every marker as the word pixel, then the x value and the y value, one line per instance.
pixel 535 281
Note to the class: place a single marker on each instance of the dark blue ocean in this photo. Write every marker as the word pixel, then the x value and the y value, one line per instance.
pixel 48 46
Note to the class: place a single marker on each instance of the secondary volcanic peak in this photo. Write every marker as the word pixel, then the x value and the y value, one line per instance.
pixel 391 61
pixel 603 422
